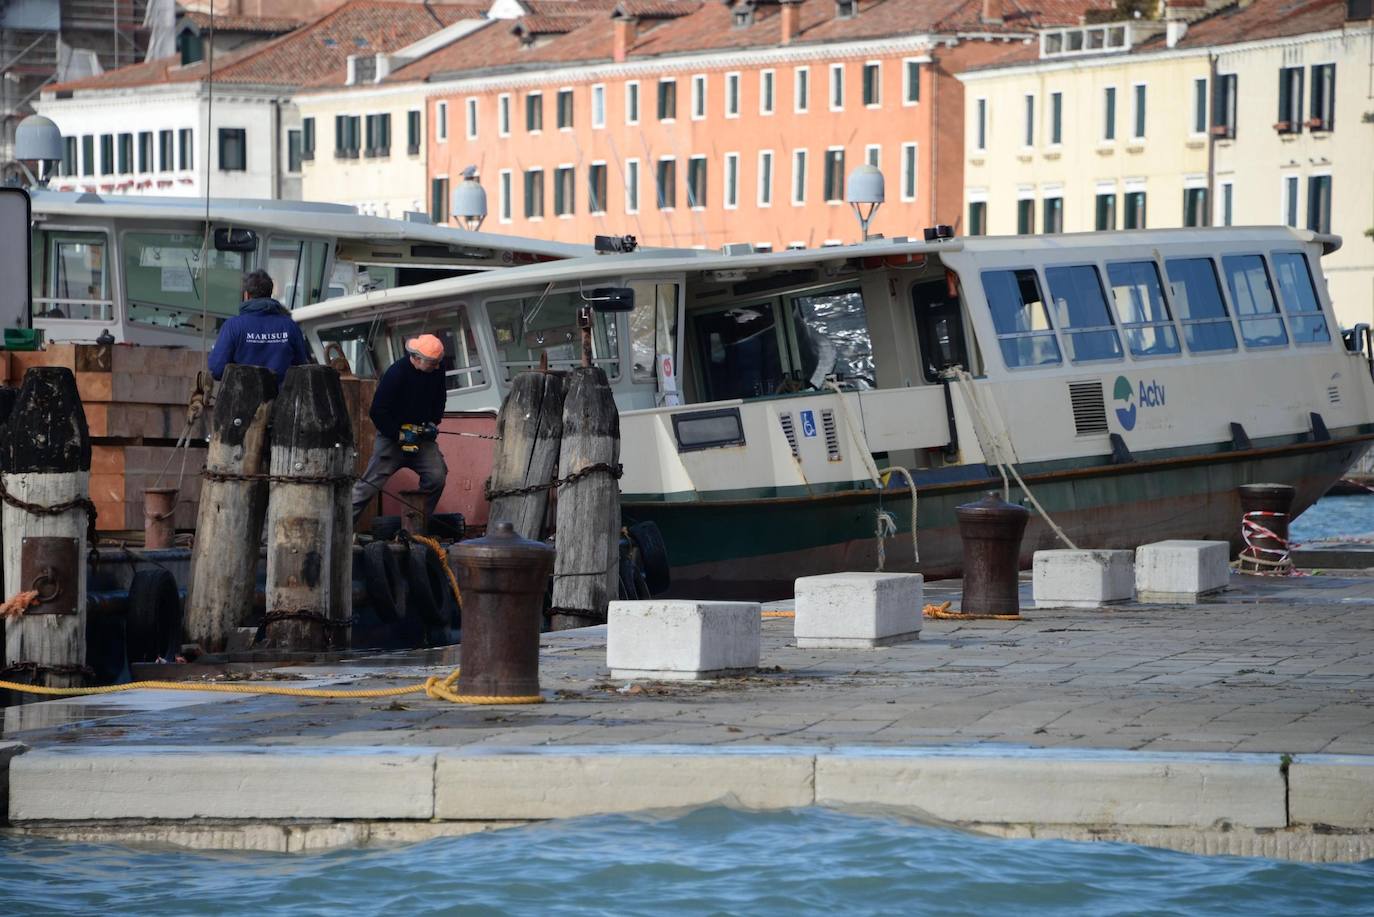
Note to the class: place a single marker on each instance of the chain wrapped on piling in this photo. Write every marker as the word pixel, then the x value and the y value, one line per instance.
pixel 616 471
pixel 334 479
pixel 56 509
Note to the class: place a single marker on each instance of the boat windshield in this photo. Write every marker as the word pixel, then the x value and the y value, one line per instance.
pixel 536 326
pixel 165 283
pixel 71 276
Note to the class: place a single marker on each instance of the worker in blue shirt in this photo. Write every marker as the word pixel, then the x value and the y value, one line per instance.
pixel 406 409
pixel 262 334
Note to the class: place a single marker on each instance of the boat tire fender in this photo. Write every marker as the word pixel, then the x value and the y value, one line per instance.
pixel 425 580
pixel 153 624
pixel 653 555
pixel 386 588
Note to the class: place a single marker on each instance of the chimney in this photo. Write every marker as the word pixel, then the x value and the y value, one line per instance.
pixel 992 12
pixel 1175 29
pixel 623 37
pixel 790 13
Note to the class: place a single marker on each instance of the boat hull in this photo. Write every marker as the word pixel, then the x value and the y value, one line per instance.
pixel 754 549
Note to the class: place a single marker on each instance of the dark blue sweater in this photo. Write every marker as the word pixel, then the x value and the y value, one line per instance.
pixel 406 395
pixel 262 334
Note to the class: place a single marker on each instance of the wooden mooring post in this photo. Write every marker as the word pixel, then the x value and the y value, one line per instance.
pixel 233 501
pixel 530 428
pixel 48 519
pixel 309 519
pixel 8 395
pixel 586 570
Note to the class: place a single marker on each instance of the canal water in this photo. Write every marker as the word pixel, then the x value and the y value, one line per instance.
pixel 1335 517
pixel 708 861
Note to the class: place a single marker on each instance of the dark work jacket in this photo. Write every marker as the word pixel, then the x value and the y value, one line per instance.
pixel 262 334
pixel 406 395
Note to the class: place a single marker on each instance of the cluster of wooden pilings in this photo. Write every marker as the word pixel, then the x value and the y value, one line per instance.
pixel 559 432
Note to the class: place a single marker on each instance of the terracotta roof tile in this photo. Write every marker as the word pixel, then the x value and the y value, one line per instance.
pixel 546 25
pixel 1264 19
pixel 265 25
pixel 656 9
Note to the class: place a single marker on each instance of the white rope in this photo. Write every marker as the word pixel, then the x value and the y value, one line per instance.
pixel 998 456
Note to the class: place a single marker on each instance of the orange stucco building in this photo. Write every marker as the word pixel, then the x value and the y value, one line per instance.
pixel 701 124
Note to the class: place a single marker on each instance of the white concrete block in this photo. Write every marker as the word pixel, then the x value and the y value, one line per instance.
pixel 1082 579
pixel 1181 571
pixel 559 783
pixel 171 782
pixel 678 639
pixel 1336 790
pixel 842 610
pixel 1060 790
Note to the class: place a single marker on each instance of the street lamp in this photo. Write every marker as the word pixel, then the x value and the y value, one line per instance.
pixel 863 191
pixel 37 139
pixel 470 201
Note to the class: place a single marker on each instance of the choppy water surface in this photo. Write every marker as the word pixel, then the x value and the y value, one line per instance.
pixel 1335 517
pixel 710 861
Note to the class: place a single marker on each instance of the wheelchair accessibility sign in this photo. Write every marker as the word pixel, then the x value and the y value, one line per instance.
pixel 808 420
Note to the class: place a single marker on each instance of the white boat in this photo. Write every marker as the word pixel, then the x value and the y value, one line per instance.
pixel 1132 379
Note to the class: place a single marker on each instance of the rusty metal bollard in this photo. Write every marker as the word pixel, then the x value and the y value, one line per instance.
pixel 991 531
pixel 1266 510
pixel 503 579
pixel 159 508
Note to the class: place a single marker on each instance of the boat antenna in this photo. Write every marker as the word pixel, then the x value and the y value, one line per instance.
pixel 205 169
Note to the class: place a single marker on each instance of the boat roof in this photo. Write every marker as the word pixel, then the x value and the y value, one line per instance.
pixel 648 262
pixel 341 221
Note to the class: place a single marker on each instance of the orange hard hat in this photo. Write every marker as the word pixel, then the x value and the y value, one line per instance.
pixel 427 346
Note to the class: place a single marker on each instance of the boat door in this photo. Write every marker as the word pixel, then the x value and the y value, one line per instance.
pixel 939 327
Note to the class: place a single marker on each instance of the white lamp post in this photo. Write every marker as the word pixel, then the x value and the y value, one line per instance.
pixel 470 201
pixel 863 191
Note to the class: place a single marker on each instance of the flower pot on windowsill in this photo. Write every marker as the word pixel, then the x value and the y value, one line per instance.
pixel 1221 131
pixel 1283 127
pixel 1317 124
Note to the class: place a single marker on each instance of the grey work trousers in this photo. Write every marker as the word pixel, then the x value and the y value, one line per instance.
pixel 387 459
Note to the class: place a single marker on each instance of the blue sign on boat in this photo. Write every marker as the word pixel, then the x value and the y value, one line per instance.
pixel 808 419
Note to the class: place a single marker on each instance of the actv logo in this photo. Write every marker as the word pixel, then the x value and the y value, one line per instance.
pixel 1150 396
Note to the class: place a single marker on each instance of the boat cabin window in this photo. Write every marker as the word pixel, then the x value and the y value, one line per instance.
pixel 1141 309
pixel 738 352
pixel 165 283
pixel 353 343
pixel 462 363
pixel 1080 307
pixel 653 328
pixel 1253 297
pixel 72 277
pixel 1196 294
pixel 297 269
pixel 831 334
pixel 546 325
pixel 1300 298
pixel 1018 314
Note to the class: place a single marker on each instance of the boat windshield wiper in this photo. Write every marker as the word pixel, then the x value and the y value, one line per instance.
pixel 525 320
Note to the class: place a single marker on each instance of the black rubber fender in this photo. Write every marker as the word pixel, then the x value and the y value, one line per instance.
pixel 653 556
pixel 153 625
pixel 382 580
pixel 384 528
pixel 448 526
pixel 426 579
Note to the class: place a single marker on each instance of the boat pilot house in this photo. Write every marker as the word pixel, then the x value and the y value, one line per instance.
pixel 798 412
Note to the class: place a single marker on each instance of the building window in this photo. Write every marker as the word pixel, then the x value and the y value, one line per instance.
pixel 698 97
pixel 696 182
pixel 503 115
pixel 1135 210
pixel 873 84
pixel 1195 207
pixel 565 109
pixel 977 218
pixel 233 149
pixel 667 100
pixel 534 194
pixel 534 112
pixel 666 184
pixel 504 206
pixel 767 81
pixel 377 136
pixel 980 125
pixel 1106 211
pixel 1109 113
pixel 441 122
pixel 731 181
pixel 1028 138
pixel 632 186
pixel 837 87
pixel 145 151
pixel 911 82
pixel 1323 97
pixel 1200 106
pixel 1056 118
pixel 166 151
pixel 1025 216
pixel 346 140
pixel 470 118
pixel 799 177
pixel 1319 203
pixel 293 151
pixel 107 154
pixel 308 136
pixel 1290 100
pixel 126 153
pixel 412 133
pixel 801 90
pixel 598 106
pixel 873 154
pixel 438 200
pixel 1227 198
pixel 1224 106
pixel 1290 201
pixel 1139 128
pixel 834 175
pixel 766 178
pixel 88 154
pixel 186 150
pixel 732 95
pixel 596 187
pixel 563 191
pixel 1053 214
pixel 632 103
pixel 70 157
pixel 908 171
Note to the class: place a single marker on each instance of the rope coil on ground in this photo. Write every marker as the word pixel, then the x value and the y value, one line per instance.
pixel 941 612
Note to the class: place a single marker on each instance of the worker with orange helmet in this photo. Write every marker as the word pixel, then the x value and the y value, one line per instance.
pixel 406 410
